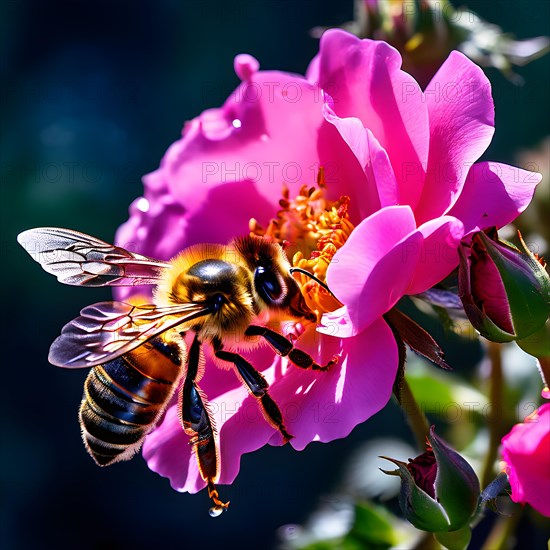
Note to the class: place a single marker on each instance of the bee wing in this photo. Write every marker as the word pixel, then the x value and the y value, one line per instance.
pixel 107 330
pixel 81 260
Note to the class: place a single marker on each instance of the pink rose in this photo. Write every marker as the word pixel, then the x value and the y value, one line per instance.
pixel 526 451
pixel 404 157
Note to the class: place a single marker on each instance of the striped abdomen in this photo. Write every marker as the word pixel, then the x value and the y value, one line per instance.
pixel 124 399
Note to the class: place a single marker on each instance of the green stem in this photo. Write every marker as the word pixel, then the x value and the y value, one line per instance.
pixel 415 416
pixel 494 419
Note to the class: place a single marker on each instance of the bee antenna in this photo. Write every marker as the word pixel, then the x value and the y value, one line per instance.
pixel 311 276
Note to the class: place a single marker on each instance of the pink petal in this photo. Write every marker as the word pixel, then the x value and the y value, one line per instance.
pixel 461 114
pixel 248 140
pixel 269 133
pixel 365 81
pixel 371 272
pixel 338 323
pixel 323 406
pixel 489 291
pixel 245 66
pixel 312 71
pixel 534 493
pixel 494 194
pixel 525 437
pixel 526 451
pixel 168 453
pixel 381 187
pixel 343 173
pixel 438 254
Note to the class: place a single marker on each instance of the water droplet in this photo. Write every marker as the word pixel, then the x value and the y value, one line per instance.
pixel 216 511
pixel 142 204
pixel 237 123
pixel 545 392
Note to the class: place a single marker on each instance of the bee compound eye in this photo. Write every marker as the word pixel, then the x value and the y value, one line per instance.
pixel 267 285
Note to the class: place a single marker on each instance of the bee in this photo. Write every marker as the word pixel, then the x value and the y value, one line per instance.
pixel 222 294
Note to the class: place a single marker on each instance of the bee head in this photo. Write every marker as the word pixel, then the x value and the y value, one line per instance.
pixel 273 285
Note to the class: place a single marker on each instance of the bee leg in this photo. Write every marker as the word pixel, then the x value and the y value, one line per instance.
pixel 283 346
pixel 258 387
pixel 196 422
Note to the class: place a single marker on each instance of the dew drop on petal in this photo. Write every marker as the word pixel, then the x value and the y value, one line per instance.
pixel 545 393
pixel 237 123
pixel 142 204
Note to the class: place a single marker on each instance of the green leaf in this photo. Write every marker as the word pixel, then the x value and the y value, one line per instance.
pixel 443 393
pixel 537 344
pixel 373 525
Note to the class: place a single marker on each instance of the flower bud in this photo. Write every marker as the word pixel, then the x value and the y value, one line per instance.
pixel 505 291
pixel 439 489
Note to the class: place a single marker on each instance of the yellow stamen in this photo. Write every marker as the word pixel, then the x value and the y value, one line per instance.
pixel 311 229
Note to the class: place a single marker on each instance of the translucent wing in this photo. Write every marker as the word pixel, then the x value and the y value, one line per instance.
pixel 78 259
pixel 107 330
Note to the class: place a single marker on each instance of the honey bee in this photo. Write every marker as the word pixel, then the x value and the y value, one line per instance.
pixel 137 353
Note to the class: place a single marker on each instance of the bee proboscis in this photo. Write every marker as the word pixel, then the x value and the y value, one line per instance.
pixel 137 353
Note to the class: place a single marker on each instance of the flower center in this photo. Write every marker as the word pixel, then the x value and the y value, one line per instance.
pixel 311 229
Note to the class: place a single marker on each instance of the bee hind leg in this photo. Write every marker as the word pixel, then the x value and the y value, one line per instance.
pixel 197 423
pixel 258 387
pixel 219 506
pixel 283 346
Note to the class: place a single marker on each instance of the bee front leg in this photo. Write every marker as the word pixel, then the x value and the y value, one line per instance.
pixel 258 387
pixel 196 422
pixel 283 346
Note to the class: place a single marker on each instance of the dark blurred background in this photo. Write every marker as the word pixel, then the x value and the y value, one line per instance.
pixel 92 95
